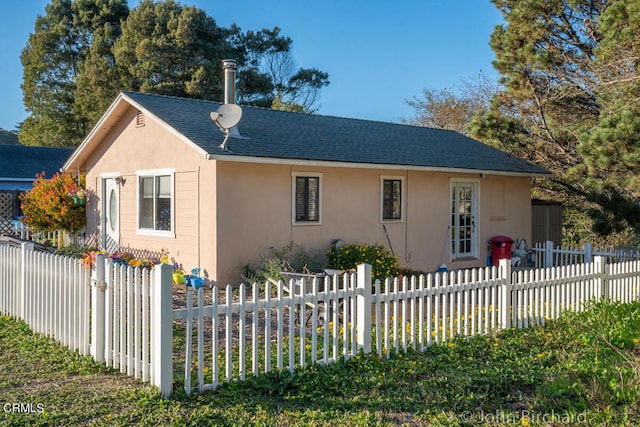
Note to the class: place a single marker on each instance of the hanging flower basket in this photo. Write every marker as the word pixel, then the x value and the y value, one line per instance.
pixel 78 201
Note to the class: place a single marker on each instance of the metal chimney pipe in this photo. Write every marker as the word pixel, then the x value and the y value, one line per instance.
pixel 229 66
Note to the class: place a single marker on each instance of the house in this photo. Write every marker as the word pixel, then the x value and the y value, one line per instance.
pixel 163 181
pixel 19 166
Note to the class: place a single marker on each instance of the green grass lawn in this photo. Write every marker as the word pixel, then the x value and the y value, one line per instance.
pixel 581 370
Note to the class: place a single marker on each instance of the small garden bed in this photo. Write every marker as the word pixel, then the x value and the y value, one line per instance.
pixel 293 260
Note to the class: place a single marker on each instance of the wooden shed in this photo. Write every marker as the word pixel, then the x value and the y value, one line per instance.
pixel 546 221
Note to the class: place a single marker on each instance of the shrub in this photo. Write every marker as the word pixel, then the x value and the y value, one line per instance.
pixel 383 263
pixel 49 205
pixel 274 261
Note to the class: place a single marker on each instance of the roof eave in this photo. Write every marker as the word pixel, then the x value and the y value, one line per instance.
pixel 360 165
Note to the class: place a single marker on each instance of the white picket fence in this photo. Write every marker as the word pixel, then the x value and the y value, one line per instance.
pixel 322 320
pixel 108 313
pixel 546 254
pixel 341 315
pixel 22 231
pixel 131 320
pixel 125 317
pixel 121 327
pixel 50 293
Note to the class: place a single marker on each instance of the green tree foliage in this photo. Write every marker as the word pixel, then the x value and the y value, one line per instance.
pixel 614 143
pixel 53 60
pixel 570 77
pixel 171 49
pixel 99 79
pixel 83 52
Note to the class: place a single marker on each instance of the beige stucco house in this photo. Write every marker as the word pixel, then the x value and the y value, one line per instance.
pixel 160 180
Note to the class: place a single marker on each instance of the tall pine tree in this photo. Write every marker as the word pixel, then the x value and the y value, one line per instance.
pixel 570 75
pixel 52 61
pixel 170 49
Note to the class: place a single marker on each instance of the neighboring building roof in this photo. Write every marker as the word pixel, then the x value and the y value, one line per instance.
pixel 19 164
pixel 7 137
pixel 285 136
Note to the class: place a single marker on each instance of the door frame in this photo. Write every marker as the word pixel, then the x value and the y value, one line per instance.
pixel 110 223
pixel 474 252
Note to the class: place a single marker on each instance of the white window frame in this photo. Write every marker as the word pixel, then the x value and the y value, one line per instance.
pixel 384 178
pixel 294 176
pixel 475 213
pixel 153 173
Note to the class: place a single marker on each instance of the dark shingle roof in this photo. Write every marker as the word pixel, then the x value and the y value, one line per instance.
pixel 286 135
pixel 19 161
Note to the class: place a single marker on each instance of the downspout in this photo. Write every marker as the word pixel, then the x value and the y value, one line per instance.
pixel 198 219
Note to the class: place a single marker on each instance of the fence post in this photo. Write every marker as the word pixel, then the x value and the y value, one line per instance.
pixel 363 310
pixel 26 246
pixel 504 269
pixel 600 265
pixel 162 329
pixel 588 253
pixel 548 254
pixel 98 283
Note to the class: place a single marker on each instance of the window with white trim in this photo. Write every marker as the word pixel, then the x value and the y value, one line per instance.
pixel 306 198
pixel 391 198
pixel 155 201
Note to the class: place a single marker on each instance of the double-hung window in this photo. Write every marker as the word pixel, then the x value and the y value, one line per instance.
pixel 155 202
pixel 391 199
pixel 306 198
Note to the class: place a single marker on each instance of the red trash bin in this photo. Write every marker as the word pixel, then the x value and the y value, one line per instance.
pixel 500 248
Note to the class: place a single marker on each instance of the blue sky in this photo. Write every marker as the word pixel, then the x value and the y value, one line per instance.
pixel 378 53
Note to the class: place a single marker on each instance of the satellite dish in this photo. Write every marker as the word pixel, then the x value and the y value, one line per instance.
pixel 227 116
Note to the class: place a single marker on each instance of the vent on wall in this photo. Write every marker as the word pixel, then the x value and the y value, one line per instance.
pixel 140 119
